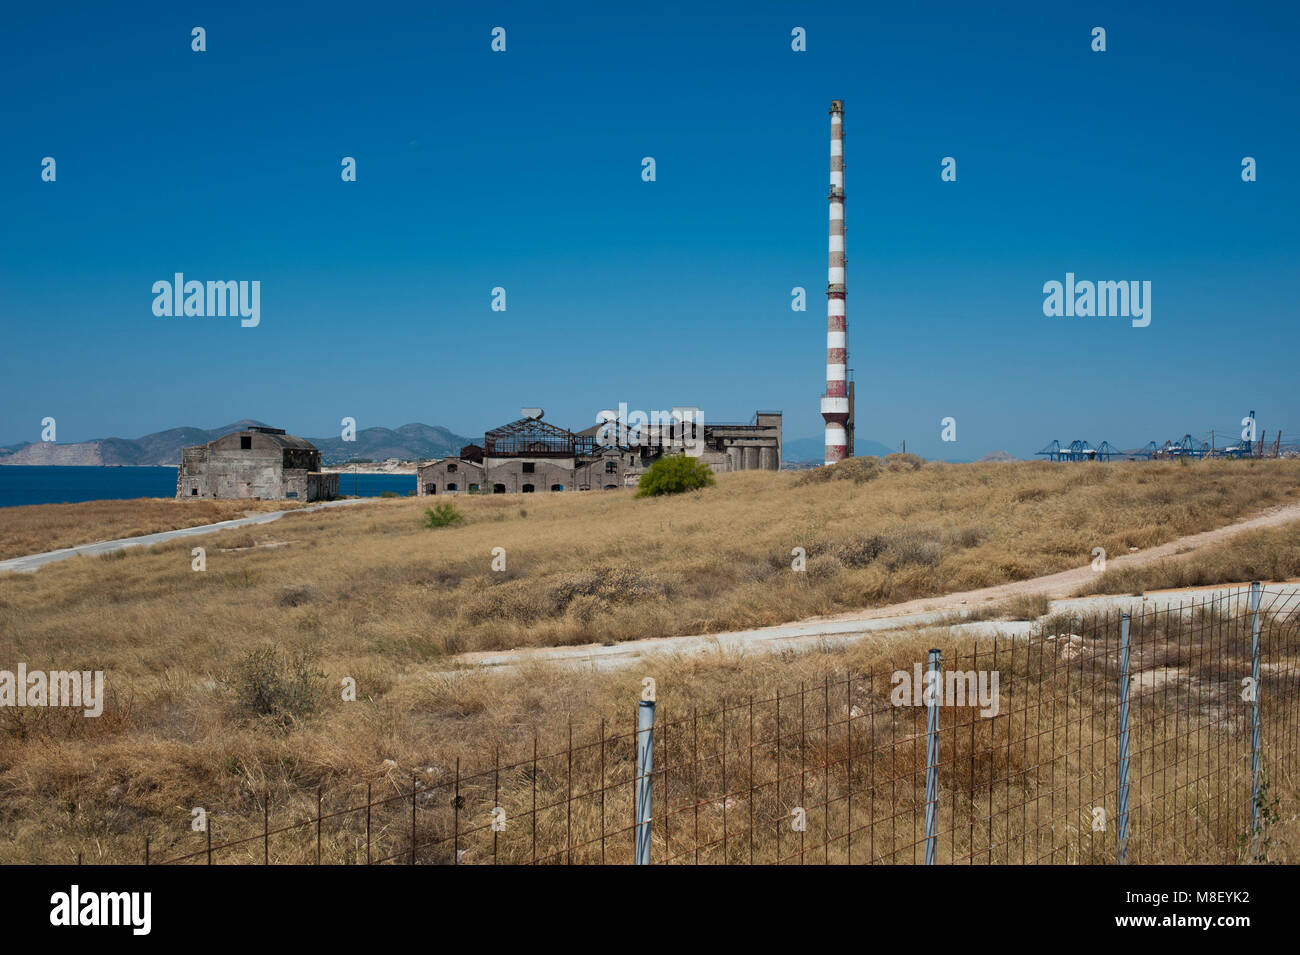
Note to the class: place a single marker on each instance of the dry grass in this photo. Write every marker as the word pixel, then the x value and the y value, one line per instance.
pixel 375 596
pixel 1027 607
pixel 1017 788
pixel 38 528
pixel 1271 554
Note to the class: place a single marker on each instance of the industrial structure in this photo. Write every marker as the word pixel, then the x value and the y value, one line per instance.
pixel 837 402
pixel 1183 448
pixel 1247 446
pixel 1080 450
pixel 531 455
pixel 258 462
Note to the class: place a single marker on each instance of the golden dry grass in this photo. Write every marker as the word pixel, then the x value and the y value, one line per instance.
pixel 37 528
pixel 1270 554
pixel 384 600
pixel 1018 788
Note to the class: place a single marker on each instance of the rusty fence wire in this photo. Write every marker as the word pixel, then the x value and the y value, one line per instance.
pixel 1026 768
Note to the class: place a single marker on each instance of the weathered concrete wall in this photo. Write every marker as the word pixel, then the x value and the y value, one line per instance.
pixel 266 469
pixel 321 486
pixel 509 474
pixel 718 461
pixel 613 468
pixel 610 470
pixel 192 476
pixel 243 474
pixel 434 477
pixel 748 447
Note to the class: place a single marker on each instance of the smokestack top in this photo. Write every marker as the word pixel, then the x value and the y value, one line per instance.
pixel 837 106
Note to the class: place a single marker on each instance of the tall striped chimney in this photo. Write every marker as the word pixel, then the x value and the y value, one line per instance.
pixel 836 406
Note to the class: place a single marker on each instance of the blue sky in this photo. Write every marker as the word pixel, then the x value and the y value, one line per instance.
pixel 522 170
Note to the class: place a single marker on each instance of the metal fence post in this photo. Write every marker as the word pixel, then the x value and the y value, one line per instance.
pixel 645 735
pixel 1121 822
pixel 1255 594
pixel 932 757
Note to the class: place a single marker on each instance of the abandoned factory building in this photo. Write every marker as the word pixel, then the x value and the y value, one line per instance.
pixel 257 462
pixel 531 455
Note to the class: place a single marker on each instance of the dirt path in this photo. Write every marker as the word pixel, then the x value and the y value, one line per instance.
pixel 34 562
pixel 1071 581
pixel 914 613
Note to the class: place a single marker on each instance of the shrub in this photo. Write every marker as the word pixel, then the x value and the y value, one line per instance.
pixel 296 596
pixel 912 546
pixel 1026 607
pixel 673 474
pixel 444 515
pixel 281 688
pixel 823 566
pixel 904 462
pixel 860 551
pixel 971 536
pixel 388 494
pixel 242 578
pixel 586 593
pixel 857 470
pixel 613 585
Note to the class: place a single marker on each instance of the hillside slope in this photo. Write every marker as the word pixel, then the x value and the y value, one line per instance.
pixel 163 448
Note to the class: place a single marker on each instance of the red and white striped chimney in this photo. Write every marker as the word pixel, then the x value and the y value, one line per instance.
pixel 835 403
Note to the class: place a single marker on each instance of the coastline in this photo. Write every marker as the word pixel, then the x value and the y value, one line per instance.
pixel 332 469
pixel 408 469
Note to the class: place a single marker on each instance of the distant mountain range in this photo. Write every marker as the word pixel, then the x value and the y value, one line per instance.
pixel 409 442
pixel 814 449
pixel 163 448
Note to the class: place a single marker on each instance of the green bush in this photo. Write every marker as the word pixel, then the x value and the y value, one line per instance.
pixel 388 494
pixel 673 474
pixel 444 515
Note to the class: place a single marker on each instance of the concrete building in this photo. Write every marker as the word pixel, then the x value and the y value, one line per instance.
pixel 262 463
pixel 451 475
pixel 530 455
pixel 755 446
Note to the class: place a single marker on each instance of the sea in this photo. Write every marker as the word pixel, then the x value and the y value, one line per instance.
pixel 21 485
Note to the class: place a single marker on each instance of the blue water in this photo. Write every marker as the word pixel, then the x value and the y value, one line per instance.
pixel 372 485
pixel 55 485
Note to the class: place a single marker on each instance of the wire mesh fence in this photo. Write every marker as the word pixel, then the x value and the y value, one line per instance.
pixel 1147 739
